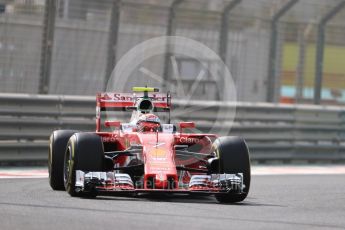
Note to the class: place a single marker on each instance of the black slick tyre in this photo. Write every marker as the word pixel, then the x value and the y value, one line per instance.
pixel 57 147
pixel 234 158
pixel 84 152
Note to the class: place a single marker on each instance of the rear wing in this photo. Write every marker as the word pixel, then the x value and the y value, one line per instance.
pixel 127 102
pixel 123 101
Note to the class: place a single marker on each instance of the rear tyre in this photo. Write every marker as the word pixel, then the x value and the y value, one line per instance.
pixel 234 158
pixel 57 147
pixel 84 152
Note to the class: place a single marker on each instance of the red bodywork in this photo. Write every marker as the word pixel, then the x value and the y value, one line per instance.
pixel 158 148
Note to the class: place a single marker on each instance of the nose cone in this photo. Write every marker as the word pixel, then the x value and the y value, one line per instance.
pixel 164 181
pixel 161 181
pixel 160 169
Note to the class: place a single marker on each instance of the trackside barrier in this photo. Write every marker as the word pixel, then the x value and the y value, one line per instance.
pixel 273 132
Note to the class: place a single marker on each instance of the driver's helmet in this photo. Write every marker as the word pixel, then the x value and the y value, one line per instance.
pixel 148 123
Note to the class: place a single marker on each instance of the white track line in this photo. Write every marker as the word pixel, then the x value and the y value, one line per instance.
pixel 23 173
pixel 256 170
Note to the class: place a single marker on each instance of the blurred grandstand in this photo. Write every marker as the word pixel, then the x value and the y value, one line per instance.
pixel 270 46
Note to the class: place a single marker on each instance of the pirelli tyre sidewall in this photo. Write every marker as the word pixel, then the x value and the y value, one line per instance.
pixel 234 158
pixel 84 152
pixel 57 147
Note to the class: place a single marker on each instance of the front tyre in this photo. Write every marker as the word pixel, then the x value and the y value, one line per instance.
pixel 233 155
pixel 84 152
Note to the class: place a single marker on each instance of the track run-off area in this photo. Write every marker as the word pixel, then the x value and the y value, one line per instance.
pixel 281 197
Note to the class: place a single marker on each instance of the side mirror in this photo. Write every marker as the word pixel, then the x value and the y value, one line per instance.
pixel 116 124
pixel 184 125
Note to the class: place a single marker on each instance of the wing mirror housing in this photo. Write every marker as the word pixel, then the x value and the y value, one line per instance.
pixel 115 124
pixel 184 125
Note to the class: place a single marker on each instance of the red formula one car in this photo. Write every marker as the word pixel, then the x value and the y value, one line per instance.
pixel 146 155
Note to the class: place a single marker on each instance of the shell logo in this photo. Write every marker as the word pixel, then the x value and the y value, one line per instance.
pixel 158 153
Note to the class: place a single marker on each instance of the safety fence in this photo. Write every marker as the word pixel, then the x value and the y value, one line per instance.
pixel 273 132
pixel 276 50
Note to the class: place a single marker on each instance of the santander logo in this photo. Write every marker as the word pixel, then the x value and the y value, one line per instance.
pixel 128 97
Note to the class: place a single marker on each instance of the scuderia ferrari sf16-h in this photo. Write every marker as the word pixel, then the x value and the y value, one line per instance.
pixel 146 155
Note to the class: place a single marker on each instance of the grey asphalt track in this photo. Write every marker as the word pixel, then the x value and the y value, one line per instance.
pixel 275 202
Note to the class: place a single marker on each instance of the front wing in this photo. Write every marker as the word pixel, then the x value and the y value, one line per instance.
pixel 112 182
